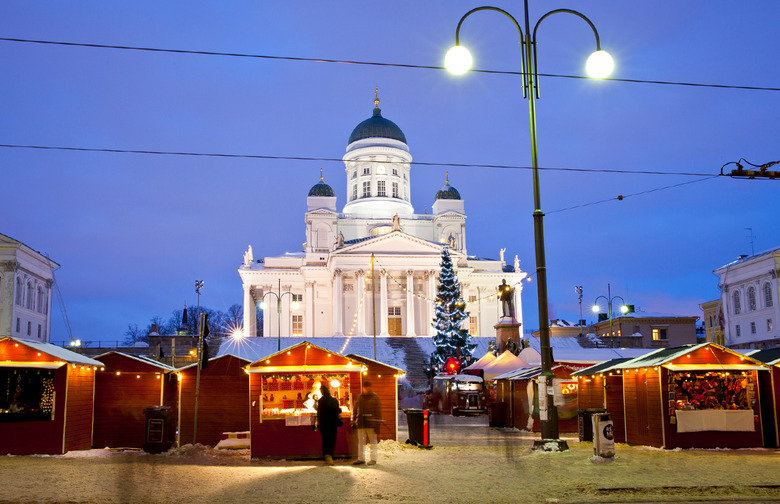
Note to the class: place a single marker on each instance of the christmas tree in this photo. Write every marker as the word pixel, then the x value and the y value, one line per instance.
pixel 450 339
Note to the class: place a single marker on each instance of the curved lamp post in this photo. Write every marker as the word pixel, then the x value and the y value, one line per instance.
pixel 278 297
pixel 609 298
pixel 599 65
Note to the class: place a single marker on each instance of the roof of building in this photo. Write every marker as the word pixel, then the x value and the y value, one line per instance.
pixel 377 126
pixel 321 188
pixel 769 356
pixel 601 367
pixel 643 314
pixel 745 258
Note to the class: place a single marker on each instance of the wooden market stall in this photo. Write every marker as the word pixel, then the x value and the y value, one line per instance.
pixel 127 385
pixel 223 401
pixel 281 415
pixel 384 381
pixel 601 387
pixel 693 396
pixel 769 388
pixel 46 398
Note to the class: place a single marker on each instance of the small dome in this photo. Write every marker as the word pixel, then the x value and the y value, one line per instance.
pixel 377 126
pixel 448 192
pixel 321 188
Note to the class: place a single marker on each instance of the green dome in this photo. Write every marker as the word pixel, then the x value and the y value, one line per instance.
pixel 321 188
pixel 448 192
pixel 377 126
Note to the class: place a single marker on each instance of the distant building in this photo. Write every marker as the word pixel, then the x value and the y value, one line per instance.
pixel 560 328
pixel 749 296
pixel 26 278
pixel 712 330
pixel 647 330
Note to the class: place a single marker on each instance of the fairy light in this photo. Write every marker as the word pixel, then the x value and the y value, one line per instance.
pixel 354 321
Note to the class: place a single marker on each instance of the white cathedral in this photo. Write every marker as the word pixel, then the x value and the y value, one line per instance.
pixel 327 289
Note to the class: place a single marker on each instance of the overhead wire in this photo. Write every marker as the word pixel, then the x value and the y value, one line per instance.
pixel 374 63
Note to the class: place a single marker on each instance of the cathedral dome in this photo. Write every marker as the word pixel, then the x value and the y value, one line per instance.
pixel 377 126
pixel 448 192
pixel 321 188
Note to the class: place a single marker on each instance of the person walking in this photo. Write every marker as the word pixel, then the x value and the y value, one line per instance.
pixel 366 418
pixel 328 421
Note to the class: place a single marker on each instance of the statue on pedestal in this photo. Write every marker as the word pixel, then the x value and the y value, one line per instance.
pixel 396 223
pixel 507 295
pixel 248 258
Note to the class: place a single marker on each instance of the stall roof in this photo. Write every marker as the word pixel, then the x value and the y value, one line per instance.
pixel 601 367
pixel 769 356
pixel 211 359
pixel 504 363
pixel 519 374
pixel 312 368
pixel 665 356
pixel 482 362
pixel 461 377
pixel 594 355
pixel 63 354
pixel 142 358
pixel 366 360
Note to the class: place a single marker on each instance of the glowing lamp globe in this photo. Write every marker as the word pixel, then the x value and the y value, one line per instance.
pixel 599 65
pixel 595 308
pixel 334 383
pixel 262 305
pixel 624 309
pixel 238 333
pixel 458 60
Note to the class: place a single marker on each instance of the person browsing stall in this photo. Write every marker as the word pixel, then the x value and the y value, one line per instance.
pixel 366 418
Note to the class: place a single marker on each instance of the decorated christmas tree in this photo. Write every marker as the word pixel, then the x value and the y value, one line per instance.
pixel 450 339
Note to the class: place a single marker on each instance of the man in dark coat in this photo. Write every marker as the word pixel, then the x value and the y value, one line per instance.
pixel 328 421
pixel 366 418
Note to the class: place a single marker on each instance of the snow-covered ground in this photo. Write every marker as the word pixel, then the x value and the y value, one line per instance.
pixel 469 463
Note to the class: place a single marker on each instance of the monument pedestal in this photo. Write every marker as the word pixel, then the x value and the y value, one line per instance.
pixel 506 329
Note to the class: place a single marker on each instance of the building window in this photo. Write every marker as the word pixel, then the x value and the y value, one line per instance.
pixel 354 174
pixel 767 294
pixel 39 301
pixel 297 298
pixel 769 325
pixel 29 303
pixel 751 299
pixel 752 328
pixel 354 191
pixel 636 329
pixel 380 188
pixel 473 325
pixel 18 324
pixel 366 189
pixel 39 331
pixel 739 331
pixel 29 328
pixel 659 334
pixel 393 311
pixel 395 189
pixel 19 291
pixel 472 299
pixel 395 171
pixel 297 325
pixel 737 304
pixel 366 171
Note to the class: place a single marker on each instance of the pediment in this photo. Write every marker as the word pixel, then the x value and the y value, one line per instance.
pixel 394 243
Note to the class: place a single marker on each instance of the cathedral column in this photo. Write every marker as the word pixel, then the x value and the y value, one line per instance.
pixel 250 312
pixel 383 305
pixel 308 310
pixel 410 303
pixel 361 316
pixel 338 330
pixel 428 327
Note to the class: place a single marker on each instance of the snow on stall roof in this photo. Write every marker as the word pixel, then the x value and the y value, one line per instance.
pixel 601 367
pixel 505 362
pixel 58 352
pixel 482 362
pixel 142 358
pixel 597 354
pixel 769 356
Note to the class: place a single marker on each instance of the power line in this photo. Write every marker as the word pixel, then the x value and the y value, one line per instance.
pixel 339 160
pixel 621 197
pixel 374 63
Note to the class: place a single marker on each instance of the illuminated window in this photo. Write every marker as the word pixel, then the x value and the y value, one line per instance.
pixel 659 334
pixel 767 294
pixel 380 188
pixel 737 304
pixel 751 299
pixel 473 325
pixel 395 189
pixel 769 325
pixel 297 325
pixel 366 189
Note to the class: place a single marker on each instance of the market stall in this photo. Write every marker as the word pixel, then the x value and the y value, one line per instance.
pixel 601 387
pixel 475 368
pixel 769 388
pixel 46 398
pixel 693 396
pixel 127 385
pixel 384 381
pixel 284 387
pixel 223 400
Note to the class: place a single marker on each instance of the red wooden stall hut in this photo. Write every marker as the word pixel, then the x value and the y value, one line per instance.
pixel 281 417
pixel 223 401
pixel 127 385
pixel 384 381
pixel 769 387
pixel 46 398
pixel 693 396
pixel 601 387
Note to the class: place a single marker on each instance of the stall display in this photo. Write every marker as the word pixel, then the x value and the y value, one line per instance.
pixel 46 398
pixel 284 388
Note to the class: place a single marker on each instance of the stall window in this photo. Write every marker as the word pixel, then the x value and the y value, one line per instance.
pixel 26 394
pixel 732 390
pixel 297 325
pixel 767 294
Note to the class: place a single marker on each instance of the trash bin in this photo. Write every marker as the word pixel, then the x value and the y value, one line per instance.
pixel 603 435
pixel 585 423
pixel 497 414
pixel 419 428
pixel 158 437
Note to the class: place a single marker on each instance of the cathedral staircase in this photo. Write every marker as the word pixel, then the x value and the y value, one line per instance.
pixel 415 358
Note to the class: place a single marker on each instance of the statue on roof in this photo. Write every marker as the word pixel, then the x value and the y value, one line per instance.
pixel 517 264
pixel 501 253
pixel 396 223
pixel 248 258
pixel 340 240
pixel 452 241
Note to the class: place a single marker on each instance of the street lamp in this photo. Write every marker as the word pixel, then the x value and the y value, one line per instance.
pixel 278 297
pixel 578 290
pixel 458 60
pixel 609 298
